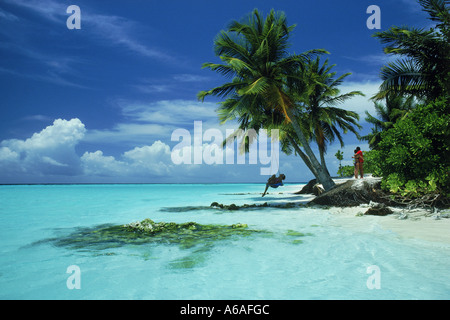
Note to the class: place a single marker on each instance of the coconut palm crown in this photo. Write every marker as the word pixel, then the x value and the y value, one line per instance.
pixel 254 55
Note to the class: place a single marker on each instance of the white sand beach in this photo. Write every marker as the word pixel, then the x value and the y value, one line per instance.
pixel 414 224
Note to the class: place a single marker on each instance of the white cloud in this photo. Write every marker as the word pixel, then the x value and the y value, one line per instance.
pixel 128 133
pixel 7 155
pixel 154 159
pixel 53 162
pixel 360 104
pixel 96 164
pixel 158 151
pixel 146 122
pixel 173 112
pixel 60 133
pixel 50 151
pixel 146 161
pixel 50 155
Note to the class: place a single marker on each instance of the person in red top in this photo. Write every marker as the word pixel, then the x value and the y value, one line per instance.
pixel 359 160
pixel 355 164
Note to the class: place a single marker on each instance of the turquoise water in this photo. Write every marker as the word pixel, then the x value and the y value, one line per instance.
pixel 303 254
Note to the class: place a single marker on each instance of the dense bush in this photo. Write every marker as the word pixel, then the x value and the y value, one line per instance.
pixel 346 171
pixel 413 157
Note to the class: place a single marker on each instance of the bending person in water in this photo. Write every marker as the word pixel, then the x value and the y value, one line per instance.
pixel 274 182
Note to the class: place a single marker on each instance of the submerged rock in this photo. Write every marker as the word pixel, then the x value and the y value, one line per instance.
pixel 245 206
pixel 232 207
pixel 235 207
pixel 308 188
pixel 312 187
pixel 186 235
pixel 150 227
pixel 216 204
pixel 239 225
pixel 378 209
pixel 184 208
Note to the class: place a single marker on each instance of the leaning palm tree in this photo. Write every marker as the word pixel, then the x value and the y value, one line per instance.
pixel 423 70
pixel 254 54
pixel 324 119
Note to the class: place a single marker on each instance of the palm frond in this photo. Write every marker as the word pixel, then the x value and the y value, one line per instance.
pixel 437 9
pixel 256 87
pixel 402 76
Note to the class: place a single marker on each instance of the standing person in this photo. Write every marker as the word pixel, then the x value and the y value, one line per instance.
pixel 355 163
pixel 359 158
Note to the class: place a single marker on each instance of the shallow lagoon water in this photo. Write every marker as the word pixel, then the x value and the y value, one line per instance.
pixel 303 253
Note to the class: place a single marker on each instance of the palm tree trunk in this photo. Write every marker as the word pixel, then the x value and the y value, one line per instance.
pixel 322 175
pixel 322 161
pixel 303 156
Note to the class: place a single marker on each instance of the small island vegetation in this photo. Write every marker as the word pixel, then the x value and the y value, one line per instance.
pixel 299 95
pixel 411 142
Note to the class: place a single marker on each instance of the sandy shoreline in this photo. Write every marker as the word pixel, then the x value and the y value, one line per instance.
pixel 409 224
pixel 418 224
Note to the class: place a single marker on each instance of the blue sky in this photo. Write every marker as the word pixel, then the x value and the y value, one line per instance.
pixel 99 104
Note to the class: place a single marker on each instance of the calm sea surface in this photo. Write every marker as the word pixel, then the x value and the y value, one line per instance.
pixel 299 253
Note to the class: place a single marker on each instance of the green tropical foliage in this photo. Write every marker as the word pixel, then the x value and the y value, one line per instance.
pixel 414 156
pixel 412 143
pixel 340 156
pixel 270 88
pixel 396 108
pixel 319 116
pixel 423 68
pixel 324 120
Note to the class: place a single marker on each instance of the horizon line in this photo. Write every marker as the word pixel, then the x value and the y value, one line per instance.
pixel 106 183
